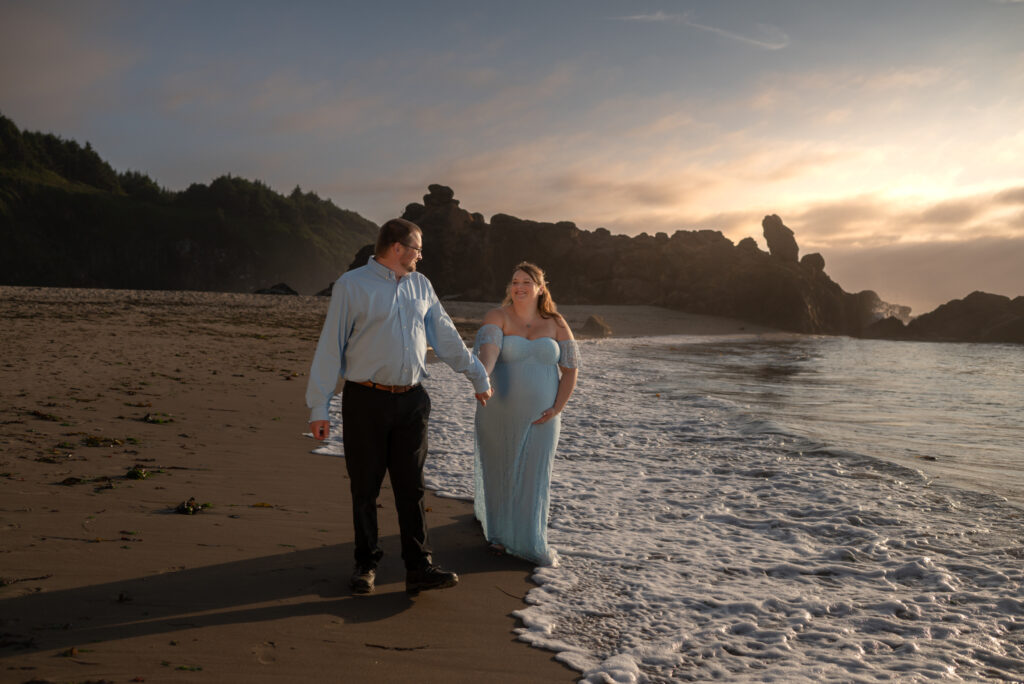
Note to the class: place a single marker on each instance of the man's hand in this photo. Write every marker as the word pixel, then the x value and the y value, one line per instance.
pixel 482 397
pixel 320 429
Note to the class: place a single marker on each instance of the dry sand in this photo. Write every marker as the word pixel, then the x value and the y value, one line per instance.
pixel 100 578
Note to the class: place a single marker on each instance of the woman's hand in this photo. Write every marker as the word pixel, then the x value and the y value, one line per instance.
pixel 547 415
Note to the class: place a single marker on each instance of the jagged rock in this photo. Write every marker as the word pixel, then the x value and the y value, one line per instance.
pixel 279 289
pixel 326 292
pixel 362 256
pixel 748 244
pixel 813 261
pixel 439 196
pixel 890 328
pixel 978 317
pixel 413 212
pixel 874 309
pixel 595 327
pixel 698 271
pixel 1009 330
pixel 781 242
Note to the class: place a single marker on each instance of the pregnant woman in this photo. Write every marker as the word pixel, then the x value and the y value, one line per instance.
pixel 532 358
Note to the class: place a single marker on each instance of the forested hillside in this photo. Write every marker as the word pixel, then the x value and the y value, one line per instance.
pixel 68 219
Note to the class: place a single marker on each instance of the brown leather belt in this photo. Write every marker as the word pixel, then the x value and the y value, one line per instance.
pixel 393 389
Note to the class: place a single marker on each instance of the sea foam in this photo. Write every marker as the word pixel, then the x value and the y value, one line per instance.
pixel 701 538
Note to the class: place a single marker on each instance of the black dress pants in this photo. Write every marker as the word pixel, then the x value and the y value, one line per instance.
pixel 385 432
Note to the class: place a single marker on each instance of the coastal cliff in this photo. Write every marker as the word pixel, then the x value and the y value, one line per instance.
pixel 699 272
pixel 68 219
pixel 978 317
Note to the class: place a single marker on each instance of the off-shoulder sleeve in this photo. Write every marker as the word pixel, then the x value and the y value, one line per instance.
pixel 488 334
pixel 569 354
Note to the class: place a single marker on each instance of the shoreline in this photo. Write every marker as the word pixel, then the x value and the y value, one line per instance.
pixel 624 320
pixel 101 579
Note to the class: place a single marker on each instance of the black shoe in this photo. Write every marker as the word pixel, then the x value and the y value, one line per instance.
pixel 429 577
pixel 362 580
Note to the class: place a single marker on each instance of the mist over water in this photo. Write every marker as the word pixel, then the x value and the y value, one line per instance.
pixel 764 509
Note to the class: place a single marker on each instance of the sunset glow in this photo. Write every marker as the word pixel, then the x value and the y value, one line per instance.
pixel 886 135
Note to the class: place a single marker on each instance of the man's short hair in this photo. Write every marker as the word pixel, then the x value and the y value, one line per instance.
pixel 395 230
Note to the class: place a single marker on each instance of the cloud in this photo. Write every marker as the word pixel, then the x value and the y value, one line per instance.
pixel 767 37
pixel 957 212
pixel 504 107
pixel 839 95
pixel 658 16
pixel 324 111
pixel 1011 195
pixel 197 93
pixel 775 162
pixel 665 124
pixel 52 72
pixel 873 220
pixel 892 80
pixel 848 219
pixel 613 189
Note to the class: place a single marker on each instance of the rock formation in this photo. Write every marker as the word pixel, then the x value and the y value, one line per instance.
pixel 698 271
pixel 814 261
pixel 978 317
pixel 889 328
pixel 278 289
pixel 595 327
pixel 781 242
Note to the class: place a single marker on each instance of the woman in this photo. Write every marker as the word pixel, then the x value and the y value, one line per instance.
pixel 532 358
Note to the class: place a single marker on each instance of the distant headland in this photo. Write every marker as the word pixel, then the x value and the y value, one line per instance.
pixel 68 219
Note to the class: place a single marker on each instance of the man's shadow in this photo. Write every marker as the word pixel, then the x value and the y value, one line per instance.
pixel 304 582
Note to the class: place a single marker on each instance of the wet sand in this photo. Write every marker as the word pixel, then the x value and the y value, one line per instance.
pixel 117 407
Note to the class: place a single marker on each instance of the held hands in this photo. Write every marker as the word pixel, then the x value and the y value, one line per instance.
pixel 482 397
pixel 320 429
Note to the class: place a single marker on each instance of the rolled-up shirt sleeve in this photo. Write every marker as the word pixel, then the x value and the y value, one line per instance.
pixel 329 359
pixel 449 347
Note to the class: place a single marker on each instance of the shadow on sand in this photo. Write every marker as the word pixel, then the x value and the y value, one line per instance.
pixel 295 584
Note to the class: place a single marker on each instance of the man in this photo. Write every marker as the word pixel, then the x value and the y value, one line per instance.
pixel 375 335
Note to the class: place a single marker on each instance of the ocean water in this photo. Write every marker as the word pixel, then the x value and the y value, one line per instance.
pixel 783 508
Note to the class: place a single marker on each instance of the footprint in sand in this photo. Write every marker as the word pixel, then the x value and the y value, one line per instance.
pixel 265 653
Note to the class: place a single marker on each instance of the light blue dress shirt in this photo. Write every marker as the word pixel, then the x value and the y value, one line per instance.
pixel 377 328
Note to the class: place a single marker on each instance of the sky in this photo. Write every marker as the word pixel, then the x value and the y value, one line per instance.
pixel 888 134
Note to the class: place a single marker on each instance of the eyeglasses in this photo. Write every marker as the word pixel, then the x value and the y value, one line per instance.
pixel 419 250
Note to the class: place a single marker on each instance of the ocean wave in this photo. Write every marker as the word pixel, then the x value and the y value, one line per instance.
pixel 702 536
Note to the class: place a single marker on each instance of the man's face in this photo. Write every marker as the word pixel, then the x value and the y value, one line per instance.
pixel 412 251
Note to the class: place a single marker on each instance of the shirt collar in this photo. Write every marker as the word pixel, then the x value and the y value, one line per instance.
pixel 380 269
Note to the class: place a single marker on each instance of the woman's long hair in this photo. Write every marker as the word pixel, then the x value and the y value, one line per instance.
pixel 545 304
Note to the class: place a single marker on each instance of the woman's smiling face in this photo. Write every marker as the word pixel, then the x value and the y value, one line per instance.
pixel 522 287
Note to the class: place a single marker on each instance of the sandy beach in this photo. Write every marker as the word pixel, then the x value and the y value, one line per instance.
pixel 118 407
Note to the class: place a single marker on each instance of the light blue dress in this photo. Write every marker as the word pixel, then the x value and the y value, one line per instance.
pixel 513 456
